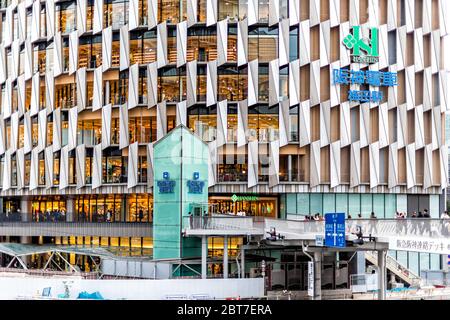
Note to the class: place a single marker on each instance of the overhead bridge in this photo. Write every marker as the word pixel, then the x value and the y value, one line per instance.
pixel 66 229
pixel 420 235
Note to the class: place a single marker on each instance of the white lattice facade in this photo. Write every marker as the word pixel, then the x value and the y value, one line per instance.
pixel 89 85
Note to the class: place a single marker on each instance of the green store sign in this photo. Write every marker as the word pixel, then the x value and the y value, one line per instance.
pixel 235 198
pixel 364 50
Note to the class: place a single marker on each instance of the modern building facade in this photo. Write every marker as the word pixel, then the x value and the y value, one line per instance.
pixel 306 106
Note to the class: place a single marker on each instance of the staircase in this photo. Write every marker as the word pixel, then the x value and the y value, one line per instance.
pixel 396 268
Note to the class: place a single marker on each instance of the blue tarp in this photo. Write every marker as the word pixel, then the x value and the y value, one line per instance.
pixel 84 295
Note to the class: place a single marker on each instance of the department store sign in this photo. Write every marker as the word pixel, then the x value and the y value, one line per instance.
pixel 236 198
pixel 364 50
pixel 418 244
pixel 368 77
pixel 195 185
pixel 166 185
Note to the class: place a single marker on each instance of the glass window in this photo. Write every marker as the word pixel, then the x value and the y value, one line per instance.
pixel 65 16
pixel 203 121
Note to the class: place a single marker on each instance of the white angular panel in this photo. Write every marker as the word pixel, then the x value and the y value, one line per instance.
pixel 274 163
pixel 181 114
pixel 133 81
pixel 64 168
pixel 132 180
pixel 49 92
pixel 98 17
pixel 211 83
pixel 274 82
pixel 27 139
pixel 97 167
pixel 364 125
pixel 81 16
pixel 161 120
pixel 14 132
pixel 81 89
pixel 253 85
pixel 315 82
pixel 314 164
pixel 36 21
pixel 161 53
pixel 56 130
pixel 428 167
pixel 50 18
pixel 284 122
pixel 222 123
pixel 107 48
pixel 6 102
pixel 411 165
pixel 20 162
pixel 393 166
pixel 242 123
pixel 222 42
pixel 97 100
pixel 325 124
pixel 335 164
pixel 81 165
pixel 242 42
pixel 73 52
pixel 57 55
pixel 48 158
pixel 6 181
pixel 283 42
pixel 21 14
pixel 34 170
pixel 191 83
pixel 419 127
pixel 72 130
pixel 42 130
pixel 123 127
pixel 28 63
pixel 2 136
pixel 152 13
pixel 3 73
pixel 21 94
pixel 152 84
pixel 191 9
pixel 253 160
pixel 274 12
pixel 106 126
pixel 133 12
pixel 253 12
pixel 294 82
pixel 124 48
pixel 305 124
pixel 383 125
pixel 345 134
pixel 294 12
pixel 314 12
pixel 182 43
pixel 211 12
pixel 374 160
pixel 444 165
pixel 324 43
pixel 8 30
pixel 355 164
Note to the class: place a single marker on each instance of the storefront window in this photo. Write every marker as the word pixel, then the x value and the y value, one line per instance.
pixel 142 47
pixel 203 121
pixel 90 52
pixel 169 84
pixel 65 16
pixel 263 44
pixel 201 44
pixel 255 206
pixel 231 167
pixel 169 10
pixel 65 95
pixel 48 209
pixel 140 208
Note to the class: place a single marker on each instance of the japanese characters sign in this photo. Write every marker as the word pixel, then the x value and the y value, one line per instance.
pixel 166 185
pixel 428 245
pixel 370 78
pixel 195 185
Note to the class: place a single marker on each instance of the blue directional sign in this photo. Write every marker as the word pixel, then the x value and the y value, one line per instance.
pixel 335 230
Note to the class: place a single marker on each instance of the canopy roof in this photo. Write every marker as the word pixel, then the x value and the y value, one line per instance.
pixel 19 249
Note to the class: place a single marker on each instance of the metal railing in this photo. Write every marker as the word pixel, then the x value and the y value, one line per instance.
pixel 426 228
pixel 218 223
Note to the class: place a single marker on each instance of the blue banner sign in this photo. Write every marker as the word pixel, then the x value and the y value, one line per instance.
pixel 195 185
pixel 166 185
pixel 335 230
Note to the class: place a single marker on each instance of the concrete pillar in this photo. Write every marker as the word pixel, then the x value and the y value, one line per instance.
pixel 204 257
pixel 25 210
pixel 382 275
pixel 317 275
pixel 225 257
pixel 26 259
pixel 70 212
pixel 360 262
pixel 242 263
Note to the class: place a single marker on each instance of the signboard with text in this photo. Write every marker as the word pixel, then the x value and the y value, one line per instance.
pixel 335 230
pixel 417 244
